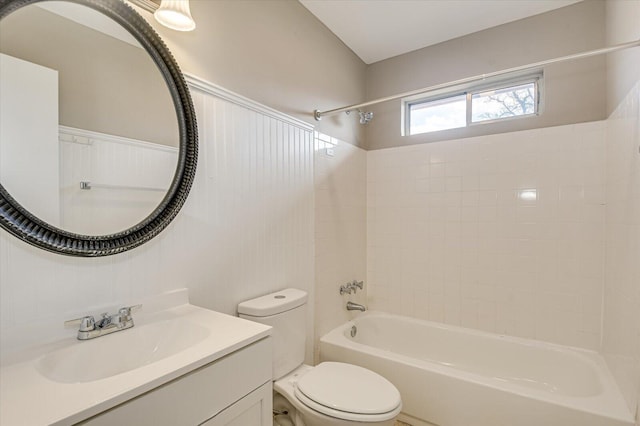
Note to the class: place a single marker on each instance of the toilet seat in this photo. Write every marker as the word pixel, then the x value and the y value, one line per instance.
pixel 348 392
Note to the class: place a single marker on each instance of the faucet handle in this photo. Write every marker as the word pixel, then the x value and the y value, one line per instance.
pixel 346 289
pixel 125 313
pixel 86 323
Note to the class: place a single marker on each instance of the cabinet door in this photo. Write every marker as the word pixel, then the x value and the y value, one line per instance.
pixel 254 409
pixel 197 396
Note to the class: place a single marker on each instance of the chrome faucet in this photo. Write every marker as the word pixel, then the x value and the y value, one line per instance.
pixel 352 286
pixel 355 307
pixel 90 328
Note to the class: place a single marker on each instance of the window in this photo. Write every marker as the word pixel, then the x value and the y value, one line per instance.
pixel 441 114
pixel 471 105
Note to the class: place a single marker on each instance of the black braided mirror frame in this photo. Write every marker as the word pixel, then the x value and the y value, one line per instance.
pixel 18 221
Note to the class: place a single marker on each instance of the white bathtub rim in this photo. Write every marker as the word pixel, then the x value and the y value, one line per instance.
pixel 610 402
pixel 609 405
pixel 494 336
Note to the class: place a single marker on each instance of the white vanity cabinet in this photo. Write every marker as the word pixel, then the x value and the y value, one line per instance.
pixel 253 409
pixel 235 390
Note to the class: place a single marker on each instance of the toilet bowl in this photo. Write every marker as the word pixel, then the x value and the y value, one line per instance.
pixel 329 394
pixel 338 394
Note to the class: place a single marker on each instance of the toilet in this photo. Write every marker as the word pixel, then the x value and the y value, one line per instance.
pixel 329 394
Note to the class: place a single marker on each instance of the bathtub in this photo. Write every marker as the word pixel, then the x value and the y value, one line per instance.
pixel 452 376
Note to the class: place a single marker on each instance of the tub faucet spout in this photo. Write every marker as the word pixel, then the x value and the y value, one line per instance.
pixel 355 307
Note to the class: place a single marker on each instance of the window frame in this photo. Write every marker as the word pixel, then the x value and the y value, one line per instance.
pixel 470 89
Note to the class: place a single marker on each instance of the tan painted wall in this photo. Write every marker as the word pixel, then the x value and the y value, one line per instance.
pixel 623 25
pixel 105 85
pixel 275 52
pixel 574 92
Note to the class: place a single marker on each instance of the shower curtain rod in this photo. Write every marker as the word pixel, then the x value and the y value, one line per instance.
pixel 317 114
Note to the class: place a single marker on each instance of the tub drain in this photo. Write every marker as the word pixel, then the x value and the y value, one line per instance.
pixel 354 331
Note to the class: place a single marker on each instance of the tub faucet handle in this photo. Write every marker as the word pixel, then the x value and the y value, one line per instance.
pixel 346 289
pixel 351 287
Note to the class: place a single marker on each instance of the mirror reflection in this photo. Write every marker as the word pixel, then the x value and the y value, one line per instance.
pixel 88 130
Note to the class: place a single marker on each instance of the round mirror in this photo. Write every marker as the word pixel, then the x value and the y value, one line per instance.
pixel 98 139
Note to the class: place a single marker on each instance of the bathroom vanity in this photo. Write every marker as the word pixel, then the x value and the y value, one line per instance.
pixel 171 363
pixel 180 364
pixel 229 391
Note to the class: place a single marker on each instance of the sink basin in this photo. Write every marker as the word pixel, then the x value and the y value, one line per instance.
pixel 120 352
pixel 81 379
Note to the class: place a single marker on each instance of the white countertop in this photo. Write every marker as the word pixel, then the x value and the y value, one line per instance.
pixel 27 397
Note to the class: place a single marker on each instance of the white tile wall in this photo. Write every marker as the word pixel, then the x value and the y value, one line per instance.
pixel 621 333
pixel 503 233
pixel 245 230
pixel 340 194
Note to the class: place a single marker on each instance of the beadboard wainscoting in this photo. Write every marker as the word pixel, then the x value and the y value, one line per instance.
pixel 245 230
pixel 124 180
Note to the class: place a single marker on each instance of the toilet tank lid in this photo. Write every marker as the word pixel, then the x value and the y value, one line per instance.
pixel 274 303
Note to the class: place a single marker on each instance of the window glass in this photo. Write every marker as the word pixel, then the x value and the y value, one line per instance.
pixel 503 103
pixel 466 104
pixel 448 113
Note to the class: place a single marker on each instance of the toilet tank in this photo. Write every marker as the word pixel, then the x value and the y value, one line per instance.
pixel 286 312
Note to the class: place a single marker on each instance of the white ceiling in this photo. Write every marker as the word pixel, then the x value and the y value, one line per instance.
pixel 380 29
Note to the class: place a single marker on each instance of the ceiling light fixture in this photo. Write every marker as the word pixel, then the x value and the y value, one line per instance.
pixel 176 15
